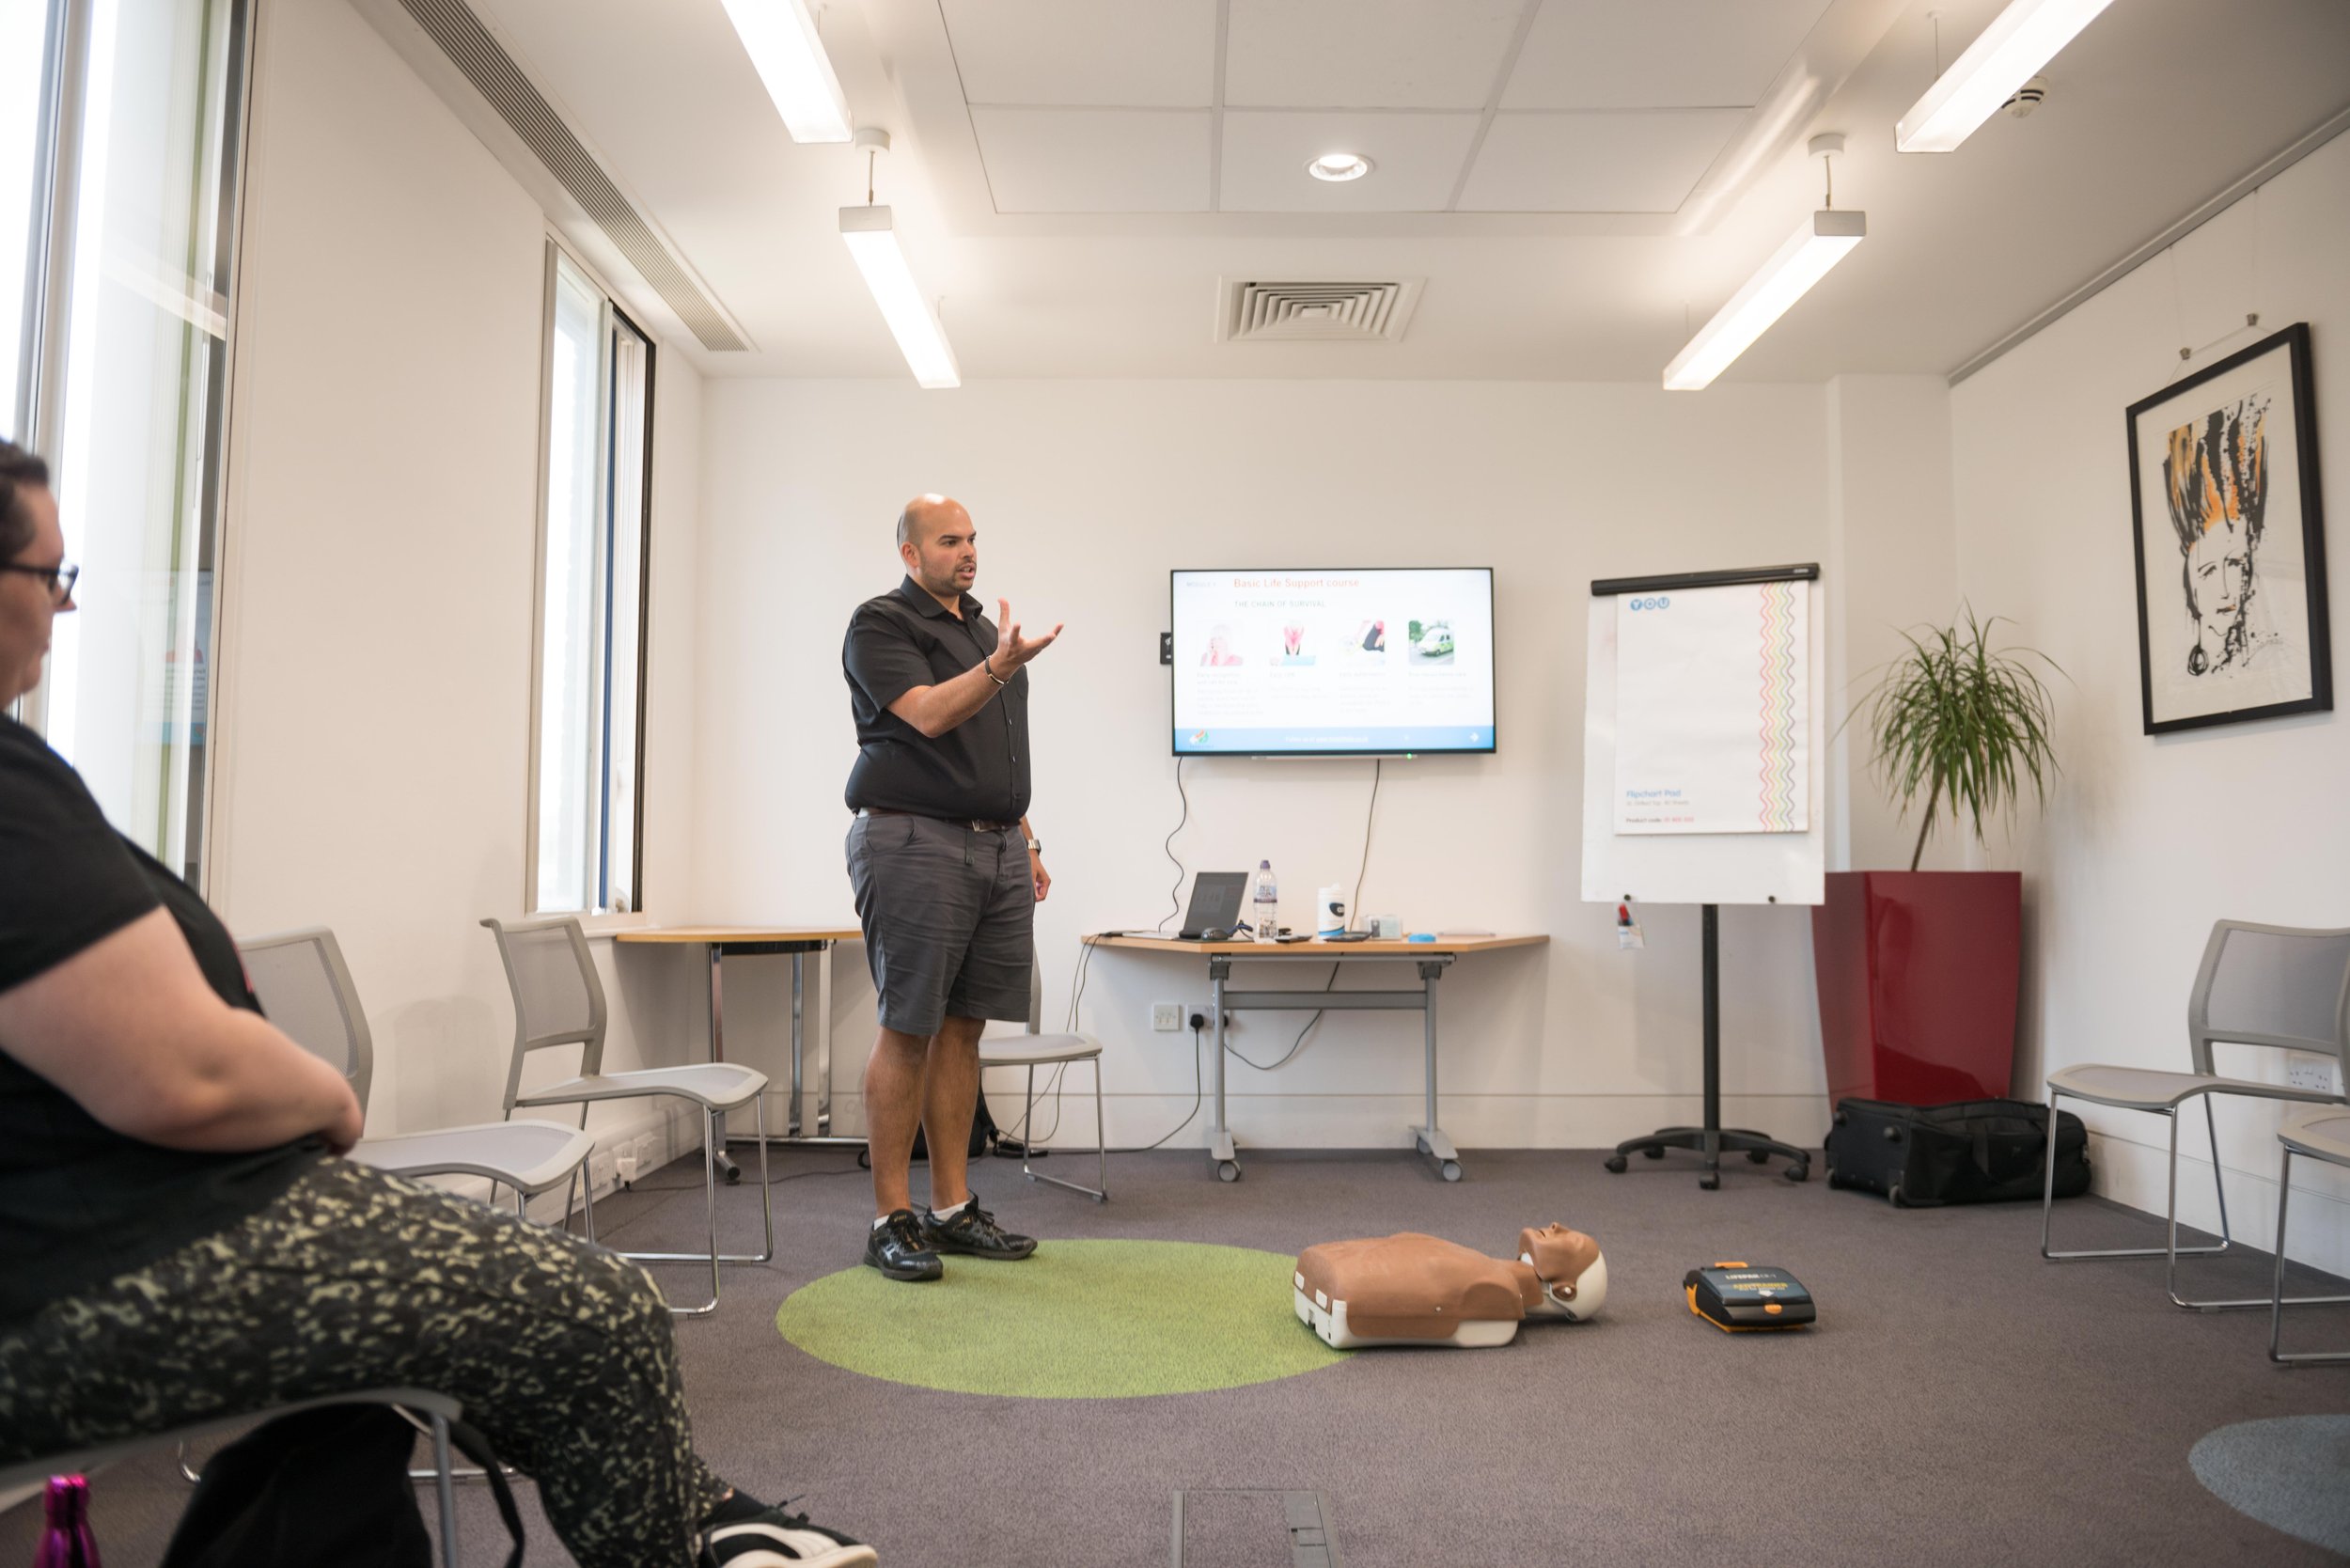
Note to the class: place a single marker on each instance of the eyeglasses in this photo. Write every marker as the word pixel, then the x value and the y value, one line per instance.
pixel 60 577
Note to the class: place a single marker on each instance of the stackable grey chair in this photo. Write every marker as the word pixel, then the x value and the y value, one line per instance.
pixel 1034 1050
pixel 2322 1135
pixel 560 1001
pixel 2281 986
pixel 306 990
pixel 438 1410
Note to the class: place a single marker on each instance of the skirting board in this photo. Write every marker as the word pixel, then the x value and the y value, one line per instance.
pixel 1375 1120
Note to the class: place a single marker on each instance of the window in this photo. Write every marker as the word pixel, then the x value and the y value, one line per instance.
pixel 121 121
pixel 585 761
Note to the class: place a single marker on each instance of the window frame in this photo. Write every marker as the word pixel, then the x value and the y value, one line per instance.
pixel 612 316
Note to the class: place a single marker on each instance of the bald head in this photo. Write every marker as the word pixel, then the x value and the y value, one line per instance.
pixel 939 547
pixel 925 515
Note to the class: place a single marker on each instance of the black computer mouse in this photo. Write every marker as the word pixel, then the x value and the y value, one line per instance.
pixel 1215 934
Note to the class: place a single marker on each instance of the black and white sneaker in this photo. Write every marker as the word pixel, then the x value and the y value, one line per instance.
pixel 898 1248
pixel 775 1539
pixel 974 1231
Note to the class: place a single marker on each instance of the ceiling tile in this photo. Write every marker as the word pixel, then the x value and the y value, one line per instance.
pixel 1137 54
pixel 1415 161
pixel 1095 160
pixel 1659 54
pixel 1367 53
pixel 1623 161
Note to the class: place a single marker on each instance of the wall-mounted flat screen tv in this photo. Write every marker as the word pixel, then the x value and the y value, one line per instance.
pixel 1370 661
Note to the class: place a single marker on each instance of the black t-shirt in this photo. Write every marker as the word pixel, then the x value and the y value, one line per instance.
pixel 979 769
pixel 80 1202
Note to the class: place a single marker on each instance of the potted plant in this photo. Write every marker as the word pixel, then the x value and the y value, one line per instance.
pixel 1919 970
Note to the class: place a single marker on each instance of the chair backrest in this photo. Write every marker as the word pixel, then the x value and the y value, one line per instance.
pixel 305 989
pixel 1036 995
pixel 2284 986
pixel 557 999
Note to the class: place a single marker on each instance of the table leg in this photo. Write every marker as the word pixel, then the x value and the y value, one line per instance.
pixel 1219 1134
pixel 792 1122
pixel 824 1046
pixel 1429 1137
pixel 718 1052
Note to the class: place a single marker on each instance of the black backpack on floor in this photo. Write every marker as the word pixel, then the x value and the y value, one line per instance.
pixel 1974 1152
pixel 328 1484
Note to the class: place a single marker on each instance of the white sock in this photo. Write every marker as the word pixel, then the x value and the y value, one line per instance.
pixel 881 1221
pixel 950 1214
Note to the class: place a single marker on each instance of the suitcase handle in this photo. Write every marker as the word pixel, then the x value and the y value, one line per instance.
pixel 1983 1159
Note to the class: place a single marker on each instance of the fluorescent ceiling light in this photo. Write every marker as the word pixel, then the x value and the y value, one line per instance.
pixel 783 44
pixel 2020 41
pixel 874 242
pixel 1786 277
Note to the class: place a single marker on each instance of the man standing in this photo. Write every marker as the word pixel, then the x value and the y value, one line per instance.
pixel 945 872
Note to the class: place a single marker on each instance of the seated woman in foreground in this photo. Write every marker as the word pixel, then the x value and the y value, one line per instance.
pixel 178 1239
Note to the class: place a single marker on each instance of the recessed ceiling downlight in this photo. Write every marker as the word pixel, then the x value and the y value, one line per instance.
pixel 1338 168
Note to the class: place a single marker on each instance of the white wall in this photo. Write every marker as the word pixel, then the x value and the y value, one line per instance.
pixel 1085 495
pixel 2147 841
pixel 375 676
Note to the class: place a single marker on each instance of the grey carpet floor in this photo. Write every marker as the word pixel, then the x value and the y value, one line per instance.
pixel 1960 1401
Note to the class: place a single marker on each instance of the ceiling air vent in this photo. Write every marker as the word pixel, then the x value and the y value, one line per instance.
pixel 486 64
pixel 1250 312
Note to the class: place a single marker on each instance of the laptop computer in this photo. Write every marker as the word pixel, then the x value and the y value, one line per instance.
pixel 1216 898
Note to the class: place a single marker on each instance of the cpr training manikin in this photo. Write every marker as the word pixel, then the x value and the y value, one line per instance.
pixel 1415 1290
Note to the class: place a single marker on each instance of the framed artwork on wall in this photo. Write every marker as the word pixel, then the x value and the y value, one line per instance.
pixel 2230 541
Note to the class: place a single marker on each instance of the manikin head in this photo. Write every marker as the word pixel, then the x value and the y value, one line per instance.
pixel 1573 1272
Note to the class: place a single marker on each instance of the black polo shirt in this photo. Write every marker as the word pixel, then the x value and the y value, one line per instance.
pixel 979 769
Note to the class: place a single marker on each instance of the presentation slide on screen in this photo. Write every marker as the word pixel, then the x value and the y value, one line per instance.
pixel 1374 660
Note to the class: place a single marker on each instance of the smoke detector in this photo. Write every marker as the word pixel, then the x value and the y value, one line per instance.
pixel 2027 97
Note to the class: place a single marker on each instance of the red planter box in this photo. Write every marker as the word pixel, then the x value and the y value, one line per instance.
pixel 1917 974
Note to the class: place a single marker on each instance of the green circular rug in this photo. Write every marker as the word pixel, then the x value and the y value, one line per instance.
pixel 1080 1319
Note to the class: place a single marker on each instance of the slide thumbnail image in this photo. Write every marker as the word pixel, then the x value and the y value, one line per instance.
pixel 1432 642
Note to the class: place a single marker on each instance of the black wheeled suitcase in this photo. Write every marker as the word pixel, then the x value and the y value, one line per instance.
pixel 1973 1152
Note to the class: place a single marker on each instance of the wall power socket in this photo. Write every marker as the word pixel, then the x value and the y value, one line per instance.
pixel 2304 1070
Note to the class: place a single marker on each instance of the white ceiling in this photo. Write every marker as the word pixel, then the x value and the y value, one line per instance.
pixel 1131 106
pixel 1578 181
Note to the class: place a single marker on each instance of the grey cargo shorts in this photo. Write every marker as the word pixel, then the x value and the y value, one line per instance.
pixel 949 918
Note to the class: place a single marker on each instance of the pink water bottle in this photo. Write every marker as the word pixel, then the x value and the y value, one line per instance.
pixel 67 1542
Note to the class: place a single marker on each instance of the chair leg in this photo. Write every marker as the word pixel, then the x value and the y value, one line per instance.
pixel 1100 1140
pixel 2279 1301
pixel 2048 1203
pixel 448 1490
pixel 766 1189
pixel 1027 1125
pixel 711 1122
pixel 714 1133
pixel 1099 1194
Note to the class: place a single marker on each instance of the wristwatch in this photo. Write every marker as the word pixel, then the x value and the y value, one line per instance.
pixel 1036 846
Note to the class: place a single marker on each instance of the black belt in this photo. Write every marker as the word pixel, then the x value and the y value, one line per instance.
pixel 974 824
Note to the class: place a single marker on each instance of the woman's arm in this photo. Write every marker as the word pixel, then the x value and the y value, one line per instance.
pixel 130 1030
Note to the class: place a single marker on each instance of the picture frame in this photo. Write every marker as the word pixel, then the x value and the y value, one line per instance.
pixel 2228 542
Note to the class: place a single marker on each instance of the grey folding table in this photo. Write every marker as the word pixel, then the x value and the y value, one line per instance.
pixel 797 941
pixel 1431 959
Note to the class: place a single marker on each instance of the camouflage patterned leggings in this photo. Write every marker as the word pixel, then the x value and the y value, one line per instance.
pixel 563 1355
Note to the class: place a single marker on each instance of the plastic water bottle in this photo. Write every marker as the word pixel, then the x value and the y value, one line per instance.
pixel 1266 916
pixel 67 1542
